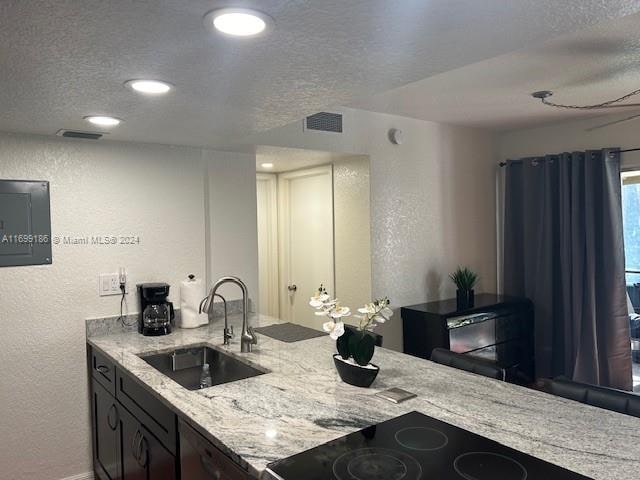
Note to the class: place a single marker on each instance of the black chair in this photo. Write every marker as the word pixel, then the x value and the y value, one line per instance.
pixel 468 363
pixel 608 398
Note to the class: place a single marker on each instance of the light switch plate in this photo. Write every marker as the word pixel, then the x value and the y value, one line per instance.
pixel 109 284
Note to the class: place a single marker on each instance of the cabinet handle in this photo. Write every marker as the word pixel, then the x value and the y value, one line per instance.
pixel 143 448
pixel 102 369
pixel 114 409
pixel 134 441
pixel 138 453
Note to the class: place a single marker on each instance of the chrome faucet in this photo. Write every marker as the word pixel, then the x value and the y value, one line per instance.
pixel 247 337
pixel 206 305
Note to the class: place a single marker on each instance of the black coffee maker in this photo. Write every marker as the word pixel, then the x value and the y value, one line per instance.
pixel 156 313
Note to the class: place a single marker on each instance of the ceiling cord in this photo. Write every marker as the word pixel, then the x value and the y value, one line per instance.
pixel 545 94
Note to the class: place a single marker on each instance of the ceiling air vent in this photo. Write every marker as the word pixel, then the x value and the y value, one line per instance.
pixel 324 122
pixel 79 134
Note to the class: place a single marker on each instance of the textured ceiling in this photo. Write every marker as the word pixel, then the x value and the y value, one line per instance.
pixel 287 159
pixel 65 59
pixel 591 66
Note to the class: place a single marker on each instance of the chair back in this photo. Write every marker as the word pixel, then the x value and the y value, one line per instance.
pixel 608 398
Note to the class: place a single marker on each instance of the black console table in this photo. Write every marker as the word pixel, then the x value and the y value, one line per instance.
pixel 498 328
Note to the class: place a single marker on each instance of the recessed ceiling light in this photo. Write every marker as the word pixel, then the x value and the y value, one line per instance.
pixel 239 22
pixel 103 120
pixel 266 165
pixel 149 87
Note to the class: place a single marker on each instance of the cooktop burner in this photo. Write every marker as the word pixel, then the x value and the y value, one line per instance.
pixel 421 438
pixel 415 447
pixel 376 464
pixel 488 466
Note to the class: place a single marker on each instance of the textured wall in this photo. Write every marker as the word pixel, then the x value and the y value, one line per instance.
pixel 352 217
pixel 432 203
pixel 232 221
pixel 100 188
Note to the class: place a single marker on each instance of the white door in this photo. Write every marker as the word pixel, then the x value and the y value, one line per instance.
pixel 305 219
pixel 267 197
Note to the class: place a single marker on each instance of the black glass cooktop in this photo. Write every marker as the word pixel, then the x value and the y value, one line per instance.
pixel 416 447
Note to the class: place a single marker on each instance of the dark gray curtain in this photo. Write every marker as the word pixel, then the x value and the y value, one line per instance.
pixel 563 249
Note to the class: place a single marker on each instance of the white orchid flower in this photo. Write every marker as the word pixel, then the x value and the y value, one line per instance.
pixel 370 315
pixel 319 301
pixel 379 319
pixel 368 309
pixel 315 302
pixel 339 312
pixel 335 329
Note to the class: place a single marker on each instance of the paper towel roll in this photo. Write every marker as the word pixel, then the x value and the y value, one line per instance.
pixel 191 294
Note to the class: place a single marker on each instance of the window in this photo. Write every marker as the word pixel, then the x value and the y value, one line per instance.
pixel 631 221
pixel 631 226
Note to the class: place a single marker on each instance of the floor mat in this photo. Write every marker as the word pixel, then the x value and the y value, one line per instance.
pixel 289 332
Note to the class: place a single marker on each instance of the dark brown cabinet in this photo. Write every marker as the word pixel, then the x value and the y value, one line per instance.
pixel 143 456
pixel 124 447
pixel 158 461
pixel 132 466
pixel 136 436
pixel 106 433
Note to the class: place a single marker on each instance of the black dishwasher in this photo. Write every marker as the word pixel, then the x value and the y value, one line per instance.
pixel 200 460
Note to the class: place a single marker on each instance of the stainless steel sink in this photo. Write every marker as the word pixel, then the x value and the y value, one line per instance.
pixel 184 366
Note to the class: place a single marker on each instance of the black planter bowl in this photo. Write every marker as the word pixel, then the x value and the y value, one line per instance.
pixel 464 299
pixel 355 374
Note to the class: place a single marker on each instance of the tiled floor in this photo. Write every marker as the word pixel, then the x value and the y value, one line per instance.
pixel 636 377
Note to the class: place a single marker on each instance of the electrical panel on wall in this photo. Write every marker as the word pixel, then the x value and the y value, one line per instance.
pixel 25 223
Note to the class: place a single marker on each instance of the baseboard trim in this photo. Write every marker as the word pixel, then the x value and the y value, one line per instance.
pixel 80 476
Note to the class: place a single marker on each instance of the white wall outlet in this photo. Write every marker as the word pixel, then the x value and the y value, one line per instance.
pixel 109 284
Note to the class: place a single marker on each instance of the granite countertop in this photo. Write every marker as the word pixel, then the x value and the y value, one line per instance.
pixel 302 403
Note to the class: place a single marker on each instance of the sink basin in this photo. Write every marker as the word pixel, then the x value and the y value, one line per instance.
pixel 184 366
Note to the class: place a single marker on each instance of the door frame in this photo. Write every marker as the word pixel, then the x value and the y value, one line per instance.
pixel 284 233
pixel 272 286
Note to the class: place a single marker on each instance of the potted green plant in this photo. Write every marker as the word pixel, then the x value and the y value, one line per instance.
pixel 355 347
pixel 465 280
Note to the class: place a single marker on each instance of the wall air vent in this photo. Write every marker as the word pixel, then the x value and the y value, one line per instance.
pixel 324 122
pixel 79 134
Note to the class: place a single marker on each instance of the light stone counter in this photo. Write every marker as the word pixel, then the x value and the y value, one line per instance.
pixel 302 403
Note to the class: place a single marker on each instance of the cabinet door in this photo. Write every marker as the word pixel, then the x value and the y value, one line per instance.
pixel 106 433
pixel 143 456
pixel 132 466
pixel 159 463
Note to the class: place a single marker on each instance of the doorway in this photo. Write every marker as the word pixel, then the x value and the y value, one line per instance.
pixel 305 224
pixel 313 228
